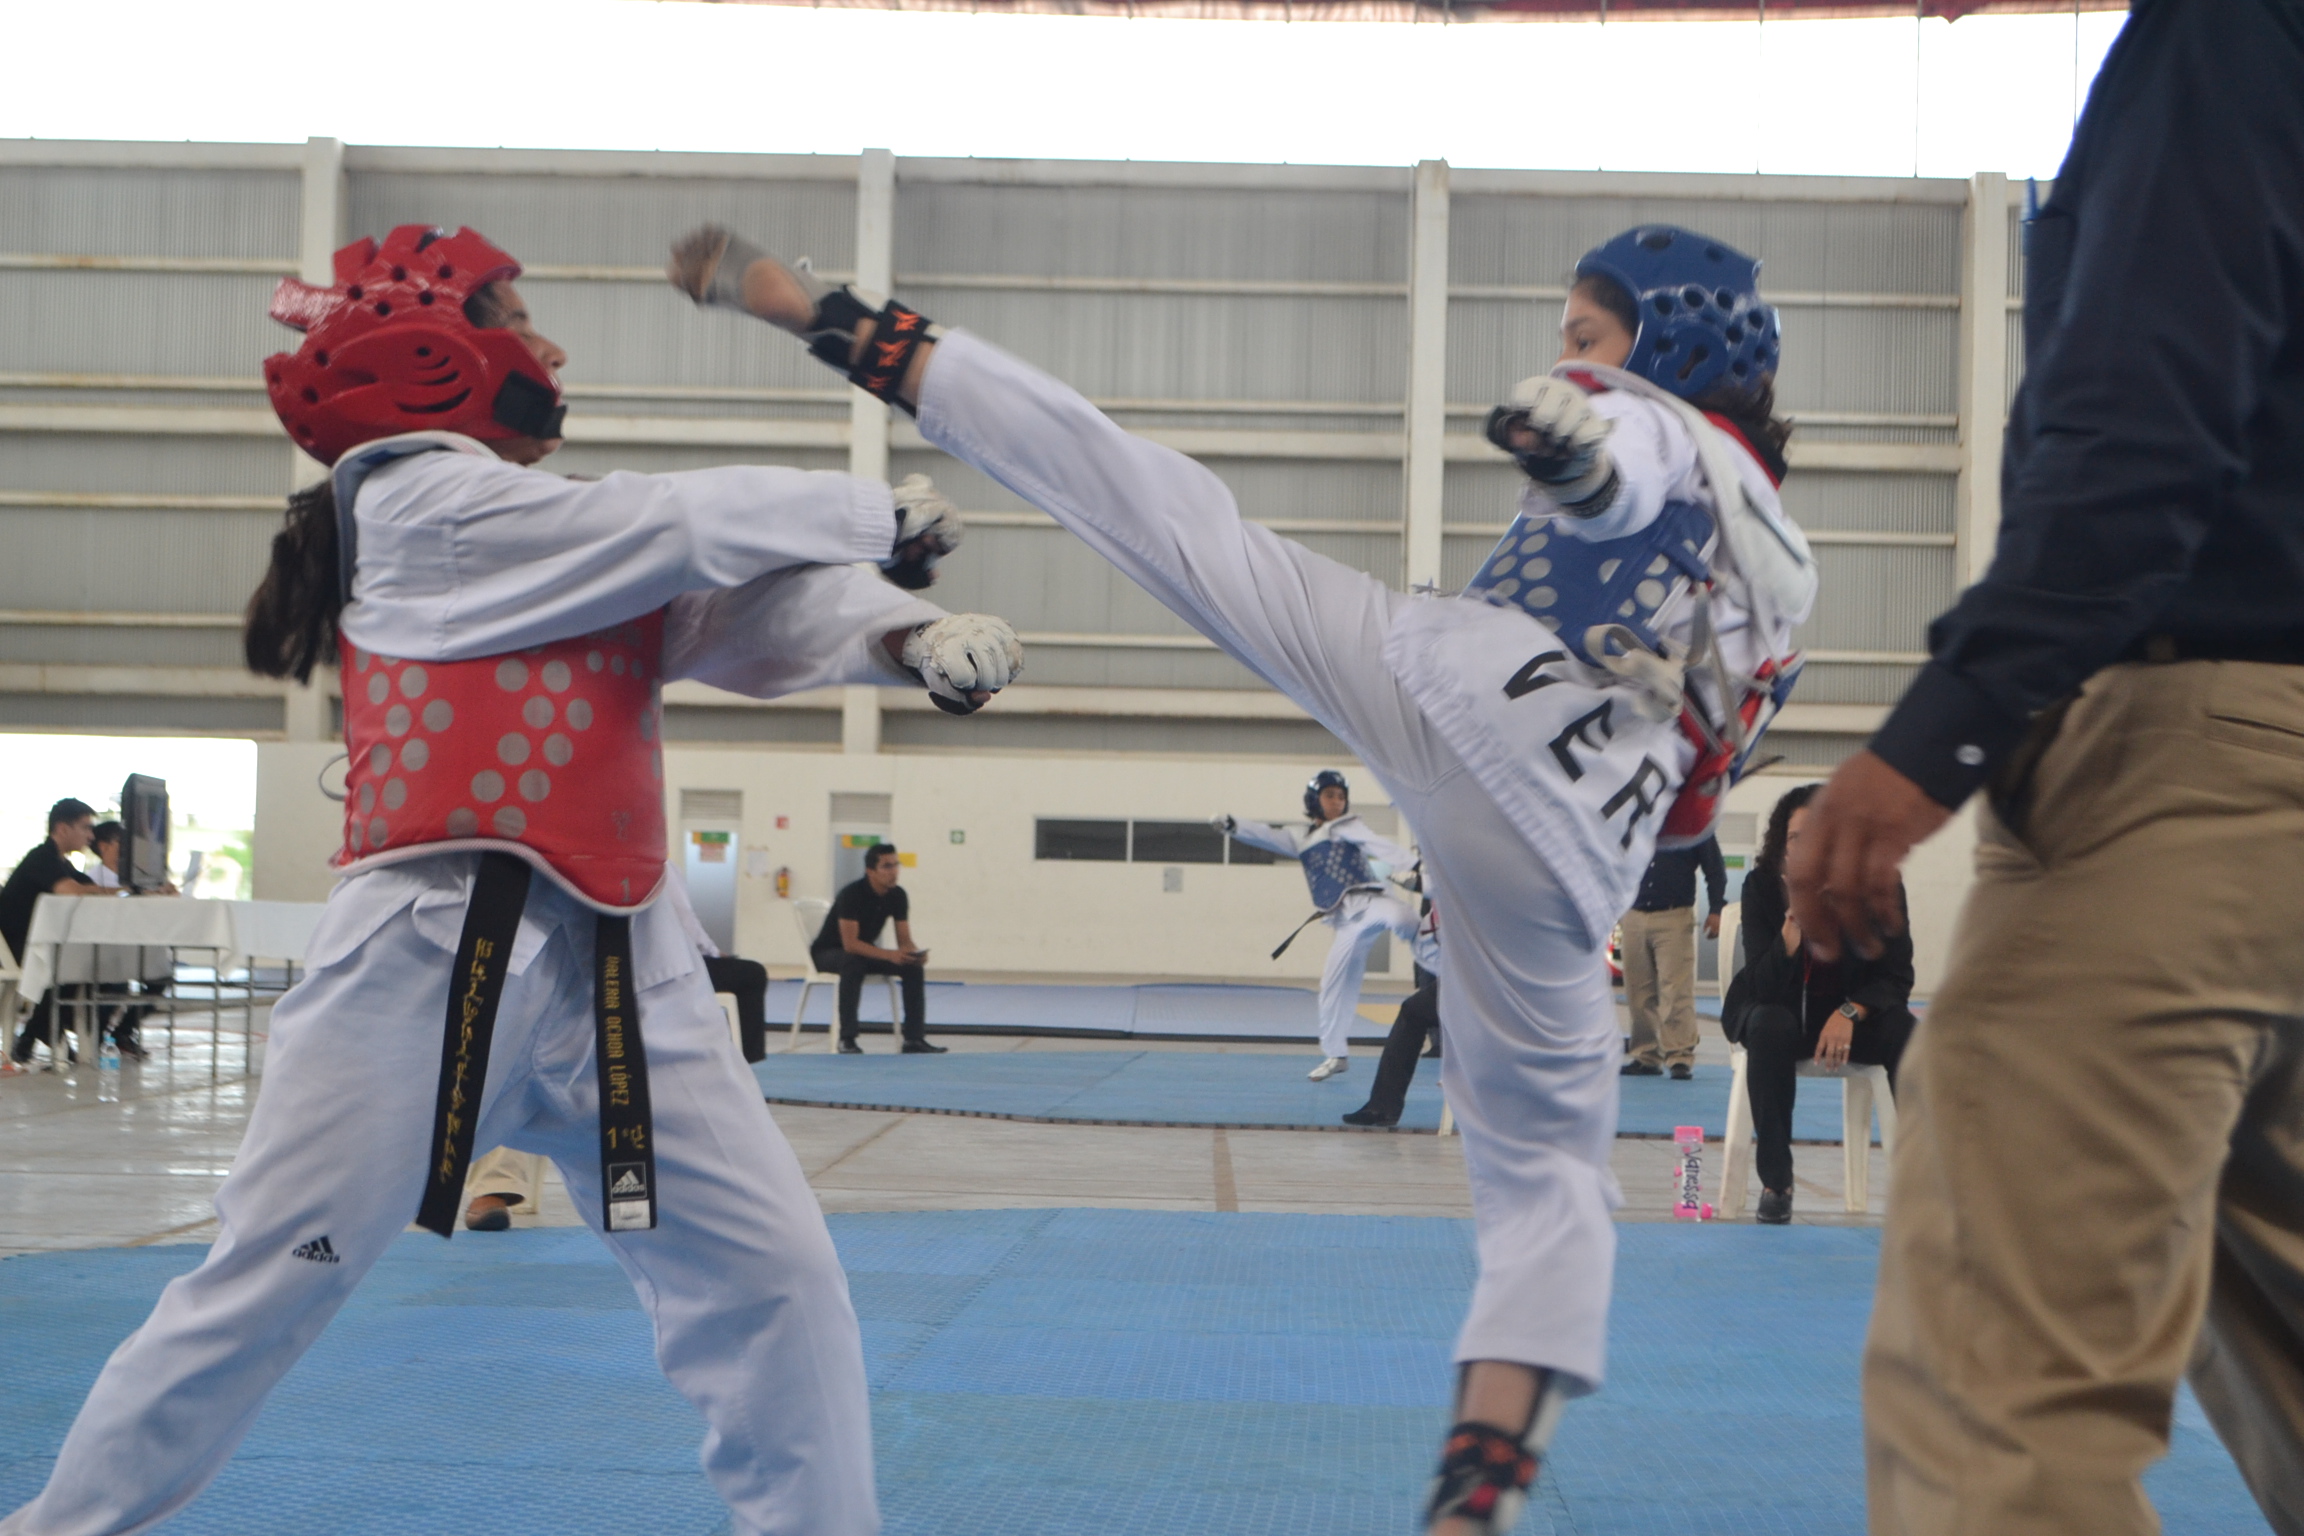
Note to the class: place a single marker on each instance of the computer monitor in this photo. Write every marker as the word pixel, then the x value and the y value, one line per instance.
pixel 144 835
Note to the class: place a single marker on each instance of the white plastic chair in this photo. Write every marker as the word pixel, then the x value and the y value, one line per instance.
pixel 10 974
pixel 1862 1089
pixel 810 912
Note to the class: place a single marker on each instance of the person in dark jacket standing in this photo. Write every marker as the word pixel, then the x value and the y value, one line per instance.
pixel 1659 935
pixel 1785 1006
pixel 2099 1171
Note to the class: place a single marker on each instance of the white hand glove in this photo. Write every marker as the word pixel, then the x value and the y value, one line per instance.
pixel 962 654
pixel 1569 456
pixel 1225 824
pixel 928 528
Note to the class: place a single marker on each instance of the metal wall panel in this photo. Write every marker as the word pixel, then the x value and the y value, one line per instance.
pixel 1192 346
pixel 625 221
pixel 122 464
pixel 1911 248
pixel 1878 599
pixel 1126 285
pixel 132 561
pixel 154 212
pixel 1150 232
pixel 179 323
pixel 139 715
pixel 1833 500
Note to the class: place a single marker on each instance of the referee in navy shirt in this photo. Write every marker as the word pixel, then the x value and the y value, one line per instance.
pixel 2099 1172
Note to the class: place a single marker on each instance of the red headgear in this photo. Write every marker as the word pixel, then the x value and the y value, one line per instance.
pixel 388 349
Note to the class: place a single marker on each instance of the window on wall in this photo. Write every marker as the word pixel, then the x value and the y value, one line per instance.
pixel 1140 842
pixel 1175 842
pixel 1104 840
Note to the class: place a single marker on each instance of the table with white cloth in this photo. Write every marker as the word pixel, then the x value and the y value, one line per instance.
pixel 96 939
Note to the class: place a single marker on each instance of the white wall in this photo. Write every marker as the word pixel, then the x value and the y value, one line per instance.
pixel 987 904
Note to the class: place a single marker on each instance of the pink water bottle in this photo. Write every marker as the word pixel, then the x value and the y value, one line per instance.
pixel 1689 1203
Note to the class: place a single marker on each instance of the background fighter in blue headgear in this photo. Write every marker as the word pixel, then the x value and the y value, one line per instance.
pixel 1614 663
pixel 1345 863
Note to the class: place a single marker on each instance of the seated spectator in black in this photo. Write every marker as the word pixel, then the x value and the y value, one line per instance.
pixel 748 980
pixel 45 871
pixel 1784 1006
pixel 121 1023
pixel 1416 1027
pixel 848 946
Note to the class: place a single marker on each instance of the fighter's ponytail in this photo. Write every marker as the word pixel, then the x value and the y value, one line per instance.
pixel 291 624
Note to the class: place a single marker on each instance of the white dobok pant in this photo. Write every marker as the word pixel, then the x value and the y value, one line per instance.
pixel 1532 1042
pixel 1360 920
pixel 749 1305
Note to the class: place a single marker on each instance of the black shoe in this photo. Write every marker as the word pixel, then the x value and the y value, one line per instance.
pixel 1681 1071
pixel 1640 1069
pixel 1366 1116
pixel 1775 1208
pixel 923 1048
pixel 850 1048
pixel 493 1216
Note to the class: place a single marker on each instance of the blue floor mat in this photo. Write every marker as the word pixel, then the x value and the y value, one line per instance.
pixel 1171 1008
pixel 1041 1373
pixel 1209 1088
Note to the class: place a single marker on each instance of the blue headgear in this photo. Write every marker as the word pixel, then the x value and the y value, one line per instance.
pixel 1701 319
pixel 1320 781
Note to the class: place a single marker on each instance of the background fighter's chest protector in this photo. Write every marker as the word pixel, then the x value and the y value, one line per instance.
pixel 552 753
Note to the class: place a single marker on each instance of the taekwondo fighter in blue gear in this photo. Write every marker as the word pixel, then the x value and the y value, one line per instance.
pixel 1597 690
pixel 1345 864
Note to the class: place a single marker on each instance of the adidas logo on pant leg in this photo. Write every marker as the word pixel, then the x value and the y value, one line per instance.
pixel 319 1251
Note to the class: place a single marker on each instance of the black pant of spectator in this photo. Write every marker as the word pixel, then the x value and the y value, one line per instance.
pixel 1775 1043
pixel 852 969
pixel 47 1023
pixel 1417 1022
pixel 748 980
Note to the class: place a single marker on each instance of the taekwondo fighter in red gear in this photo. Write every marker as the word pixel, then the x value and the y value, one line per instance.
pixel 1598 687
pixel 1345 863
pixel 504 633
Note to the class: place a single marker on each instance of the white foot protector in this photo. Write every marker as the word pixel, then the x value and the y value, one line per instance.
pixel 1330 1066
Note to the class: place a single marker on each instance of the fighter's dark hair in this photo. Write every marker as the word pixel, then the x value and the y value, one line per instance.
pixel 1751 408
pixel 291 621
pixel 107 832
pixel 872 855
pixel 67 811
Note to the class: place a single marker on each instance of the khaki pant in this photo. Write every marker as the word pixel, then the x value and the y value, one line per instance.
pixel 1660 984
pixel 515 1176
pixel 2101 1128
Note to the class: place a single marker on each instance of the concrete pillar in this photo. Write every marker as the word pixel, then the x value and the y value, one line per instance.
pixel 1427 418
pixel 1983 373
pixel 867 417
pixel 305 712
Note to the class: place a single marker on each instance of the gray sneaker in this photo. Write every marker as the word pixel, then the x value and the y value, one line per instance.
pixel 1775 1208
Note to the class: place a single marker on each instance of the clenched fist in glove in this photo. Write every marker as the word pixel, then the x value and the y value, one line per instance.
pixel 964 659
pixel 928 528
pixel 1550 429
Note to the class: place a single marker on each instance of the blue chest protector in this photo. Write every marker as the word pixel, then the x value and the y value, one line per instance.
pixel 1569 585
pixel 1333 868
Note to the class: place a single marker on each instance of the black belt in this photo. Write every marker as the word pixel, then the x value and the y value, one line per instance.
pixel 2283 650
pixel 483 958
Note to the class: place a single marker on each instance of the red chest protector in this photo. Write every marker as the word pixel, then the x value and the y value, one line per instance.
pixel 551 753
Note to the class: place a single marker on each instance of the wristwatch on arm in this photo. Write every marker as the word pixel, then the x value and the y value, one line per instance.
pixel 1852 1011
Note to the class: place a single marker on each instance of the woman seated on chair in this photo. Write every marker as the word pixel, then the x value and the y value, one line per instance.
pixel 1784 1007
